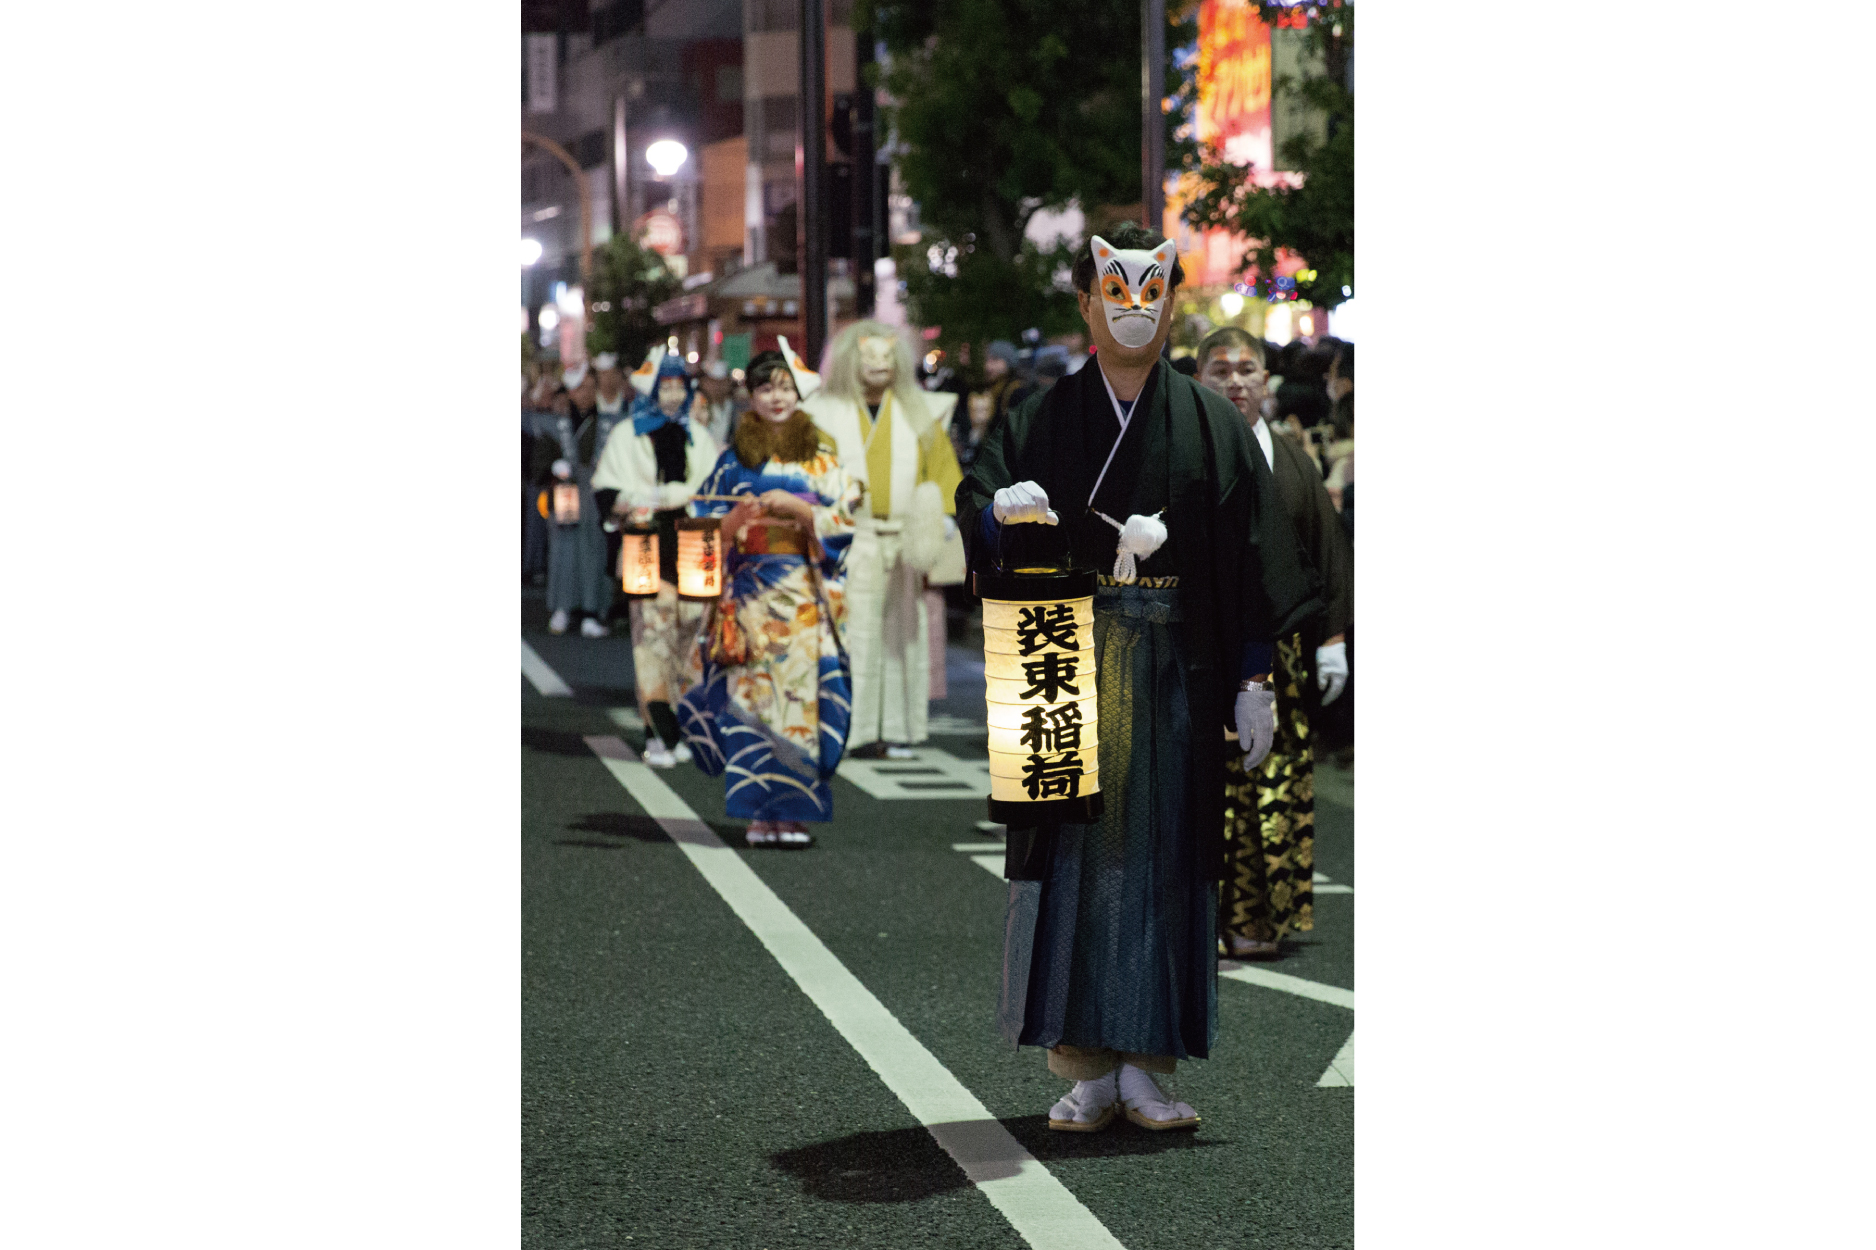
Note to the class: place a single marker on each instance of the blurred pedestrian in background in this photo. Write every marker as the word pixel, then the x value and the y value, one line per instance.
pixel 1001 381
pixel 1270 809
pixel 892 436
pixel 721 407
pixel 565 454
pixel 646 476
pixel 775 685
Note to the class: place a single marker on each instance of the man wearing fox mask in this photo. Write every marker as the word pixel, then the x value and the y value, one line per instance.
pixel 1134 469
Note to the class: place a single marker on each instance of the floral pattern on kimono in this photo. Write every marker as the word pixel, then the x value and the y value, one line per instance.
pixel 775 726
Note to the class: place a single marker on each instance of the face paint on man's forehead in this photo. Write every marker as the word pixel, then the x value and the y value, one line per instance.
pixel 1133 285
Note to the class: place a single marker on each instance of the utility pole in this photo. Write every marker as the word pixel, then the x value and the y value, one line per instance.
pixel 1152 119
pixel 621 171
pixel 812 218
pixel 865 176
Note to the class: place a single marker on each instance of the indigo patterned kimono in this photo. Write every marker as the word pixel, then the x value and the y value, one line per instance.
pixel 775 727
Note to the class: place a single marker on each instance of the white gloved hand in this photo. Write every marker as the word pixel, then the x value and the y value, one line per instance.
pixel 1331 671
pixel 951 528
pixel 562 469
pixel 1024 501
pixel 1257 724
pixel 1140 537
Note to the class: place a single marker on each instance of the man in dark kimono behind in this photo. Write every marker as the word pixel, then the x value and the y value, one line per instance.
pixel 1270 812
pixel 1133 469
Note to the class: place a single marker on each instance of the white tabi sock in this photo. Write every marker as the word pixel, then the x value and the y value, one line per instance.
pixel 1140 1091
pixel 1085 1103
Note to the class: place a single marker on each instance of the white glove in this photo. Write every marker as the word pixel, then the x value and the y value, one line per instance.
pixel 951 528
pixel 1024 501
pixel 1140 537
pixel 562 469
pixel 1257 724
pixel 1331 671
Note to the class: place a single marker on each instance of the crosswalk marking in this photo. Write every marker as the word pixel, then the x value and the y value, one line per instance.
pixel 540 676
pixel 935 774
pixel 1038 1206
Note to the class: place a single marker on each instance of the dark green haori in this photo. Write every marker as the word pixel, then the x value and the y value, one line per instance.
pixel 1110 937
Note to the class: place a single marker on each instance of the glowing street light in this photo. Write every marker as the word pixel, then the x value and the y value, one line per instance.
pixel 667 156
pixel 530 252
pixel 1232 303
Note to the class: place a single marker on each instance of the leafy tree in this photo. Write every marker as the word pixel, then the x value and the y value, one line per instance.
pixel 1316 219
pixel 1002 108
pixel 628 282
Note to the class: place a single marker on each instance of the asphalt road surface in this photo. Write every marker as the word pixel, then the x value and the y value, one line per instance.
pixel 688 1080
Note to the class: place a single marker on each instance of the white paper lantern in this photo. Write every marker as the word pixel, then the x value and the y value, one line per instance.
pixel 638 563
pixel 699 557
pixel 1039 689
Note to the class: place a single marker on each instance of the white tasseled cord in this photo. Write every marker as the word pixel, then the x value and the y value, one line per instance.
pixel 1126 571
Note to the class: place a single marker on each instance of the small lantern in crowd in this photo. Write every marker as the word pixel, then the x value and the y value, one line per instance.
pixel 699 557
pixel 1039 685
pixel 638 562
pixel 566 503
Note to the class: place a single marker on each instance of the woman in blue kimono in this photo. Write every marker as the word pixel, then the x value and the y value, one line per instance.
pixel 772 710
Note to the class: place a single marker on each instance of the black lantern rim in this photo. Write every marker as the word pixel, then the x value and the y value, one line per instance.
pixel 1035 586
pixel 1083 809
pixel 699 522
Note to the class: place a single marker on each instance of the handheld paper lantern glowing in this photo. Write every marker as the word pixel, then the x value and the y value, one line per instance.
pixel 638 563
pixel 566 503
pixel 1039 685
pixel 699 557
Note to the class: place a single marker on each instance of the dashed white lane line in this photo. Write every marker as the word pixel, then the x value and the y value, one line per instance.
pixel 1341 1068
pixel 543 678
pixel 1038 1206
pixel 1250 974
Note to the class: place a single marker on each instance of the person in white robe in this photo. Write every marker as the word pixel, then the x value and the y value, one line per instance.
pixel 895 438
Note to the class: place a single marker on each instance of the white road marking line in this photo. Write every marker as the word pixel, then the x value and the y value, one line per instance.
pixel 977 846
pixel 1341 1068
pixel 944 725
pixel 991 826
pixel 992 864
pixel 626 718
pixel 543 678
pixel 1320 884
pixel 1334 995
pixel 1038 1206
pixel 935 774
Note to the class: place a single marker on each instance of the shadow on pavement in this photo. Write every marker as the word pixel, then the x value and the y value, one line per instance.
pixel 1122 1137
pixel 907 1164
pixel 619 827
pixel 555 741
pixel 900 1165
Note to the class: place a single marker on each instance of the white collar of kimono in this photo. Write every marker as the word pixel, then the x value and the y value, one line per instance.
pixel 1123 415
pixel 614 406
pixel 1262 431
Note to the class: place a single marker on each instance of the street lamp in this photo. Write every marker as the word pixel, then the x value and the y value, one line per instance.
pixel 667 156
pixel 530 252
pixel 1232 303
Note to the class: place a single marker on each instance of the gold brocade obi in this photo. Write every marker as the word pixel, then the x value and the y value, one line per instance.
pixel 769 539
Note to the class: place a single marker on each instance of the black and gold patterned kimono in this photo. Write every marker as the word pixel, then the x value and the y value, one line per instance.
pixel 1270 815
pixel 1111 926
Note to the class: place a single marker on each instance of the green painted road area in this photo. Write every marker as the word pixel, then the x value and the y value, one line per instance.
pixel 680 1088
